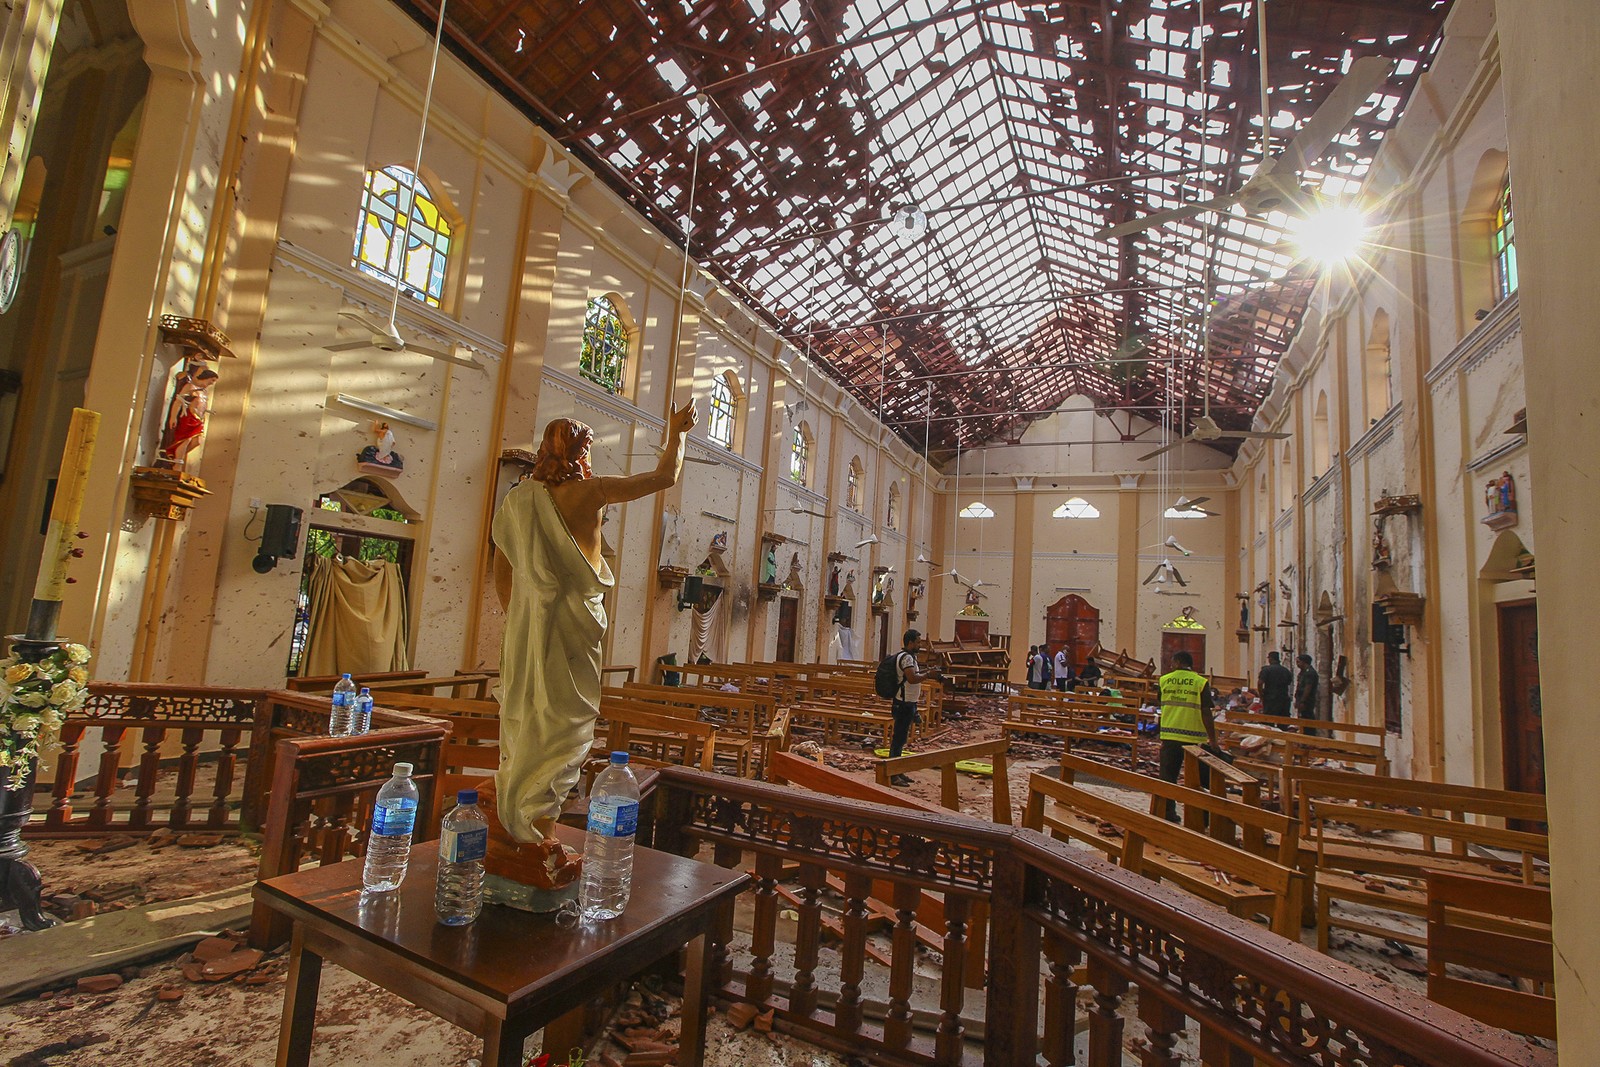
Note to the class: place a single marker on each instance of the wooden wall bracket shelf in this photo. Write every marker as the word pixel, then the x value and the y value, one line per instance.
pixel 1408 504
pixel 1403 609
pixel 837 557
pixel 670 577
pixel 166 494
pixel 766 591
pixel 197 337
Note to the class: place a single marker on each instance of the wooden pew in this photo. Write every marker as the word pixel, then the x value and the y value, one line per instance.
pixel 324 683
pixel 743 719
pixel 1392 877
pixel 945 760
pixel 1239 880
pixel 1074 722
pixel 1297 750
pixel 1468 928
pixel 1357 731
pixel 475 686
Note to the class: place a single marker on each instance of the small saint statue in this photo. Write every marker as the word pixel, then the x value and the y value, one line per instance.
pixel 1380 544
pixel 380 456
pixel 769 564
pixel 794 581
pixel 186 414
pixel 833 581
pixel 849 591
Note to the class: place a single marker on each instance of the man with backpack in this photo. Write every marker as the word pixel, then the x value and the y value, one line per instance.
pixel 899 681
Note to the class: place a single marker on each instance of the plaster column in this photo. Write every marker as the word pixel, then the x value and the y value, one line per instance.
pixel 1022 578
pixel 1550 82
pixel 25 46
pixel 1129 502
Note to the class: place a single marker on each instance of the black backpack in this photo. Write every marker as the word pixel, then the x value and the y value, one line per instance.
pixel 887 681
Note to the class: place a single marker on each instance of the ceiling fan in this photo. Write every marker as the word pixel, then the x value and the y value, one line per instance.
pixel 870 540
pixel 1172 543
pixel 1192 507
pixel 1164 574
pixel 1206 430
pixel 385 336
pixel 922 557
pixel 796 509
pixel 1275 185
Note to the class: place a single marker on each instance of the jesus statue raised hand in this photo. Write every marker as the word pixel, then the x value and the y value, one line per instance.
pixel 552 582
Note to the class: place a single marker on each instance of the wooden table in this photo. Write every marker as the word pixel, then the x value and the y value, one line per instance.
pixel 508 974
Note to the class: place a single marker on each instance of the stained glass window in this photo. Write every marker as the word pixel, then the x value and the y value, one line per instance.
pixel 604 354
pixel 386 205
pixel 852 485
pixel 719 425
pixel 799 455
pixel 1504 241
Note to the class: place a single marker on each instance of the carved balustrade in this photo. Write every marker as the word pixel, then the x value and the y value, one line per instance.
pixel 1192 979
pixel 165 741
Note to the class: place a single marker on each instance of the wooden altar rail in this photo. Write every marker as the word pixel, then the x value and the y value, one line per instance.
pixel 1249 994
pixel 161 736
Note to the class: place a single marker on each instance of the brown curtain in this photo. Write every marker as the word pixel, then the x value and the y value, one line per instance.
pixel 357 616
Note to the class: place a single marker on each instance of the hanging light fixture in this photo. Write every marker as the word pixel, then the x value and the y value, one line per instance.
pixel 909 223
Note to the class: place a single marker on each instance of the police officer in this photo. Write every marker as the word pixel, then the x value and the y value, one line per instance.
pixel 1185 718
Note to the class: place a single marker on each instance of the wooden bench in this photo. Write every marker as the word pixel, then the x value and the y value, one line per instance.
pixel 945 760
pixel 324 683
pixel 1072 721
pixel 1390 877
pixel 1499 927
pixel 1226 873
pixel 1357 731
pixel 457 685
pixel 743 720
pixel 1296 750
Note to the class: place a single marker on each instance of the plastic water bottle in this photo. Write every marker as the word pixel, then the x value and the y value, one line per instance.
pixel 394 816
pixel 361 715
pixel 463 843
pixel 608 850
pixel 344 699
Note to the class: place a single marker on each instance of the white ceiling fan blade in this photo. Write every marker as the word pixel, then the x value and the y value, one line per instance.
pixel 1186 501
pixel 347 346
pixel 1161 218
pixel 1366 76
pixel 374 327
pixel 869 541
pixel 1249 435
pixel 1165 448
pixel 448 357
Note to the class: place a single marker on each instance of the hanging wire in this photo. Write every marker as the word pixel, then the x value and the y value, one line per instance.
pixel 688 226
pixel 416 166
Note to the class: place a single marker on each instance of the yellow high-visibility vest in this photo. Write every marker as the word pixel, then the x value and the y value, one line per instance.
pixel 1180 707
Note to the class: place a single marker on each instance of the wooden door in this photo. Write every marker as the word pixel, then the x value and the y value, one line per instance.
pixel 1190 641
pixel 884 636
pixel 788 625
pixel 1392 721
pixel 1074 624
pixel 1521 721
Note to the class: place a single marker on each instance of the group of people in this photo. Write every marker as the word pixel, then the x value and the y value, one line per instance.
pixel 1046 671
pixel 1282 693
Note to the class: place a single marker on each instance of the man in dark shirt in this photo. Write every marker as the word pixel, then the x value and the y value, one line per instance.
pixel 1305 690
pixel 1275 681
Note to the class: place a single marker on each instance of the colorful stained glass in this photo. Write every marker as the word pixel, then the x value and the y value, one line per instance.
pixel 393 195
pixel 604 355
pixel 719 424
pixel 1504 242
pixel 799 456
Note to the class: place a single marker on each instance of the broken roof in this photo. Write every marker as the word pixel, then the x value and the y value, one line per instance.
pixel 1018 129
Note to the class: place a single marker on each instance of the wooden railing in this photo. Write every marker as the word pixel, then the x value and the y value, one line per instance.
pixel 1240 993
pixel 163 739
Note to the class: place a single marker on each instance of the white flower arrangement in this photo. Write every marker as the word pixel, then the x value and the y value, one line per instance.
pixel 35 699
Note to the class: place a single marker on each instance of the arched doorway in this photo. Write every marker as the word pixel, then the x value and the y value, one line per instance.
pixel 1186 634
pixel 1517 640
pixel 1074 624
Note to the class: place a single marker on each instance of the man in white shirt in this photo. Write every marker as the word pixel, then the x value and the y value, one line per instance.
pixel 1064 673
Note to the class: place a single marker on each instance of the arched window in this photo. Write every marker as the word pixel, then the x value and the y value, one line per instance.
pixel 852 484
pixel 1261 504
pixel 977 510
pixel 1503 244
pixel 719 419
pixel 1286 479
pixel 1076 508
pixel 393 197
pixel 1321 454
pixel 800 454
pixel 1379 372
pixel 892 519
pixel 603 358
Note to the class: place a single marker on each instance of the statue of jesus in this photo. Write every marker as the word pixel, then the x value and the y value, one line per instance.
pixel 552 581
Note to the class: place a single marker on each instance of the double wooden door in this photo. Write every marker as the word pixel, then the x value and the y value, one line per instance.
pixel 1190 641
pixel 1073 623
pixel 1521 720
pixel 788 624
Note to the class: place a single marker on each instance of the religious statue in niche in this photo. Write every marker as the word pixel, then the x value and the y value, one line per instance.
pixel 552 581
pixel 794 581
pixel 1244 612
pixel 882 589
pixel 186 413
pixel 769 564
pixel 849 591
pixel 1381 556
pixel 833 580
pixel 914 591
pixel 1500 496
pixel 719 541
pixel 380 457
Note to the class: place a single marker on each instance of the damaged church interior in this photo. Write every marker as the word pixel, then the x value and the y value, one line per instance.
pixel 615 533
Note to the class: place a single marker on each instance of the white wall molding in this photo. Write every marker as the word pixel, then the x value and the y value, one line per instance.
pixel 1378 433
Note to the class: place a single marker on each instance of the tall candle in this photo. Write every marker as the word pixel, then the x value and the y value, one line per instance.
pixel 71 483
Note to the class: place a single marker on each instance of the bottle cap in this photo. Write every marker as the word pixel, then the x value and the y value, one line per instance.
pixel 347 676
pixel 467 796
pixel 365 691
pixel 619 758
pixel 402 770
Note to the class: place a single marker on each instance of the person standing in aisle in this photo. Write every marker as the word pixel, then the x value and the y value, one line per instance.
pixel 1064 673
pixel 1305 689
pixel 906 697
pixel 1036 661
pixel 1275 681
pixel 1185 719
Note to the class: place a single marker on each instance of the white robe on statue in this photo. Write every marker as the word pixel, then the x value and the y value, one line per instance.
pixel 550 661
